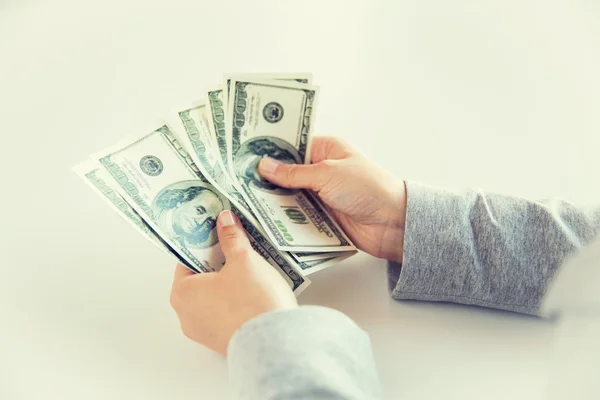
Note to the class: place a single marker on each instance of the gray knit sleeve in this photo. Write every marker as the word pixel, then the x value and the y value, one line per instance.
pixel 306 353
pixel 485 249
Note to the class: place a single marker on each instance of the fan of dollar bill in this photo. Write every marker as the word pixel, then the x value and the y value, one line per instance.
pixel 171 183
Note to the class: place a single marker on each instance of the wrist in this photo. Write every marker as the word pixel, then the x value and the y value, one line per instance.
pixel 393 237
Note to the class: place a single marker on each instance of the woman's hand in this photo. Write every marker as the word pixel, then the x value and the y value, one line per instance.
pixel 213 306
pixel 367 201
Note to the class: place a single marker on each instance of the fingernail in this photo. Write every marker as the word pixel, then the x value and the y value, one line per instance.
pixel 226 218
pixel 269 165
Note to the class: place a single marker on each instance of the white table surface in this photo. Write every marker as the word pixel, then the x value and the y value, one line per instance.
pixel 499 95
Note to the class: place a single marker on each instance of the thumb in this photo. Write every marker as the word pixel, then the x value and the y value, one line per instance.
pixel 295 176
pixel 232 235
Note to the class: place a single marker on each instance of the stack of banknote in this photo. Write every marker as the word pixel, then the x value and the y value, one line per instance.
pixel 172 182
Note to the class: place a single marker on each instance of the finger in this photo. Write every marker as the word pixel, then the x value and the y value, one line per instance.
pixel 295 176
pixel 329 148
pixel 232 235
pixel 181 272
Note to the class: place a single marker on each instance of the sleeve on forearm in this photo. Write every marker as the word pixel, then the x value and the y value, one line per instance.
pixel 299 354
pixel 486 250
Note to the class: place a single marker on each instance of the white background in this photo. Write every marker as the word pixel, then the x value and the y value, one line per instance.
pixel 502 95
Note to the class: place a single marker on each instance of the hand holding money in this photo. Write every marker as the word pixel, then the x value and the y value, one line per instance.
pixel 172 182
pixel 368 202
pixel 226 187
pixel 211 307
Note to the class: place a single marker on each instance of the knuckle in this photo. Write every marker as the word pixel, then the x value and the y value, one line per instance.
pixel 335 144
pixel 327 172
pixel 342 147
pixel 243 253
pixel 291 173
pixel 328 166
pixel 337 141
pixel 231 233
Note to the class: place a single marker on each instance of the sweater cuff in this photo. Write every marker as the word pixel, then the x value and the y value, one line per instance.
pixel 435 240
pixel 299 352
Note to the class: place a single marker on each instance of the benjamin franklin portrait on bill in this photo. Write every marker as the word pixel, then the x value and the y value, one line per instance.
pixel 187 212
pixel 247 158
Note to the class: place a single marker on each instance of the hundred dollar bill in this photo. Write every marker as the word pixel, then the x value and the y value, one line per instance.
pixel 304 257
pixel 216 118
pixel 196 138
pixel 310 267
pixel 194 135
pixel 274 119
pixel 161 182
pixel 217 101
pixel 97 179
pixel 301 77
